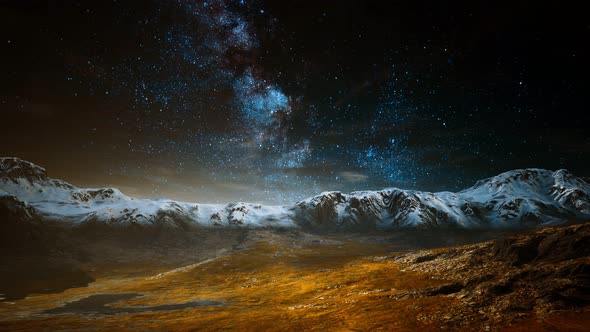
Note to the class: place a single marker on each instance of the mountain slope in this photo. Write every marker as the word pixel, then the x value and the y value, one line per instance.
pixel 58 200
pixel 518 197
pixel 514 198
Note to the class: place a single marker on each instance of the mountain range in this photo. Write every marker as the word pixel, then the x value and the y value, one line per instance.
pixel 522 197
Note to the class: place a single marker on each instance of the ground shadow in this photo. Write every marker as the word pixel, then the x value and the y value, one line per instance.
pixel 97 304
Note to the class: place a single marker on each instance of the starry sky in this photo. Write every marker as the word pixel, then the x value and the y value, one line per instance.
pixel 273 101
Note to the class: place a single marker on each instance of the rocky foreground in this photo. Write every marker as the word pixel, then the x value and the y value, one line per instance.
pixel 509 279
pixel 285 281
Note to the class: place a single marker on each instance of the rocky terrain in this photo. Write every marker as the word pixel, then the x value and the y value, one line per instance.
pixel 509 279
pixel 288 281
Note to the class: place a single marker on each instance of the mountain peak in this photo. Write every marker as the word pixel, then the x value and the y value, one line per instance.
pixel 13 168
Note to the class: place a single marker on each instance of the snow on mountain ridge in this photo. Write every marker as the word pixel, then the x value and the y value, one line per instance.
pixel 513 198
pixel 532 193
pixel 55 199
pixel 12 168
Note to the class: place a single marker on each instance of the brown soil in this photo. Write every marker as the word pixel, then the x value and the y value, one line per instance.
pixel 281 283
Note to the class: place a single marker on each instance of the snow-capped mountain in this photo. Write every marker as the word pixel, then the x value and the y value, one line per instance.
pixel 60 201
pixel 518 197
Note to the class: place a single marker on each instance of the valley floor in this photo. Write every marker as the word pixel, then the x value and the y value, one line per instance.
pixel 322 283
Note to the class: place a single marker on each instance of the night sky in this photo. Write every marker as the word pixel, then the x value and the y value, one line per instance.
pixel 274 101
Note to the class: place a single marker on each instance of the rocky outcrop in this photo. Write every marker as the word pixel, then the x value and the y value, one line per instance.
pixel 511 278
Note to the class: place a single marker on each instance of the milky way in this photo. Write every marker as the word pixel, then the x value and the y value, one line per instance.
pixel 274 101
pixel 207 60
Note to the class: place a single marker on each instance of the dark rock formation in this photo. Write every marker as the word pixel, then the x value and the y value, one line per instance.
pixel 512 278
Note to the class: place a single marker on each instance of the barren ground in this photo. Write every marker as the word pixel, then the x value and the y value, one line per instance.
pixel 282 282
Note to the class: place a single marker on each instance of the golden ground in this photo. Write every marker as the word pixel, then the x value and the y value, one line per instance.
pixel 269 286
